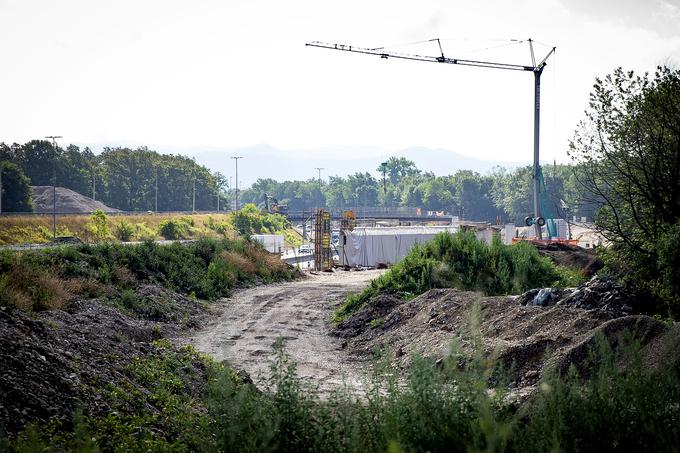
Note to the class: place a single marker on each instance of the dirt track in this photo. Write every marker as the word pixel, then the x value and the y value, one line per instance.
pixel 247 325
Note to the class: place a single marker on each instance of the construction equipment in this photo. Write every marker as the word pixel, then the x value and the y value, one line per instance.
pixel 537 70
pixel 272 205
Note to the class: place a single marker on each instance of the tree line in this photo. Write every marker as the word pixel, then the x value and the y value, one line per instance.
pixel 137 179
pixel 122 178
pixel 503 194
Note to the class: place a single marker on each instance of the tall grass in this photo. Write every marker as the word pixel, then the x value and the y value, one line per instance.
pixel 461 261
pixel 207 269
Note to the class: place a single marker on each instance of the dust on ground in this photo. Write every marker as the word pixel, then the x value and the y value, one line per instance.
pixel 246 326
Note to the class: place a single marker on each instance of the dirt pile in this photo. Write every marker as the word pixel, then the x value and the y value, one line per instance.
pixel 571 256
pixel 524 338
pixel 56 361
pixel 68 201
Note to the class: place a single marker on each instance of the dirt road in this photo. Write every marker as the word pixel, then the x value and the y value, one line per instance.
pixel 247 325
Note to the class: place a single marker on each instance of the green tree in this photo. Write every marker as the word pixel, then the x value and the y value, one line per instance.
pixel 399 168
pixel 16 189
pixel 628 147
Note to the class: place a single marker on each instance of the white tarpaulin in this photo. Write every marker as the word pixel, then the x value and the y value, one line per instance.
pixel 273 243
pixel 387 245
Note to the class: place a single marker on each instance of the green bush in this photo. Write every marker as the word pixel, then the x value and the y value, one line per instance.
pixel 207 268
pixel 124 230
pixel 98 224
pixel 461 261
pixel 173 229
pixel 250 220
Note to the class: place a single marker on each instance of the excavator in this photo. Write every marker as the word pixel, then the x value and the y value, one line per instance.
pixel 272 205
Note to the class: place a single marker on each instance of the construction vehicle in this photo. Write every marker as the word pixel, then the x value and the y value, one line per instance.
pixel 272 205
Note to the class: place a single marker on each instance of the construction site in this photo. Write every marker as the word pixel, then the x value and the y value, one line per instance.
pixel 411 259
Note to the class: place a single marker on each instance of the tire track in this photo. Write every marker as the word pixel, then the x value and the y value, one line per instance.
pixel 247 325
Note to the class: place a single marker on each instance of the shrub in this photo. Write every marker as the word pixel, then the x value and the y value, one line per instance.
pixel 461 261
pixel 124 230
pixel 173 229
pixel 98 225
pixel 144 233
pixel 250 220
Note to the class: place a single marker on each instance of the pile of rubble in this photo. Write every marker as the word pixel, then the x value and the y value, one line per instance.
pixel 599 292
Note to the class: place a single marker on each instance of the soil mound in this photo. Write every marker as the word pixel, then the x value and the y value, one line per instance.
pixel 571 256
pixel 54 362
pixel 524 338
pixel 68 201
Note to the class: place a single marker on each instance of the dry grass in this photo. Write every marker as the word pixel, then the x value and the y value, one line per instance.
pixel 38 228
pixel 28 289
pixel 238 261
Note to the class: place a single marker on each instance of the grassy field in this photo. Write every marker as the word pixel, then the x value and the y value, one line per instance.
pixel 34 229
pixel 38 228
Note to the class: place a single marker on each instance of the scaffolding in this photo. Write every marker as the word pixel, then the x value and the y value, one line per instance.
pixel 322 241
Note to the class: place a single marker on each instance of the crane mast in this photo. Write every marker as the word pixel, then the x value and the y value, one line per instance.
pixel 537 69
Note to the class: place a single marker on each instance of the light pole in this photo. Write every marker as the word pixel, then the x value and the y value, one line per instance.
pixel 155 198
pixel 236 158
pixel 54 185
pixel 319 170
pixel 193 197
pixel 94 177
pixel 383 168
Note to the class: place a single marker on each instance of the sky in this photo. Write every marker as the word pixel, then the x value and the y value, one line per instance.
pixel 184 75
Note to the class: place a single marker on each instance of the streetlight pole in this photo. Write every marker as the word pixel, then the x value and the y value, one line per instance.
pixel 54 185
pixel 236 158
pixel 319 170
pixel 155 199
pixel 193 197
pixel 383 167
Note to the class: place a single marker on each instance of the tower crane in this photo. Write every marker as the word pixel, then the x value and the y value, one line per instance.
pixel 537 68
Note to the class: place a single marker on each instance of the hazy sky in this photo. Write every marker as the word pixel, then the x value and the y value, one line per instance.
pixel 236 73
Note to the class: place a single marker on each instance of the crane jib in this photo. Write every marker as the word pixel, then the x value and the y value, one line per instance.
pixel 537 69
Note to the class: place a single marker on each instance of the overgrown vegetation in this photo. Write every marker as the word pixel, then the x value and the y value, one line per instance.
pixel 250 220
pixel 629 149
pixel 461 404
pixel 207 269
pixel 139 227
pixel 462 261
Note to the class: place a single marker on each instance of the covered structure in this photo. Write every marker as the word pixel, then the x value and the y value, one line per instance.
pixel 366 246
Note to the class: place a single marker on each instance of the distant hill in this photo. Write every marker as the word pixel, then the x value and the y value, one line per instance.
pixel 68 201
pixel 265 161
